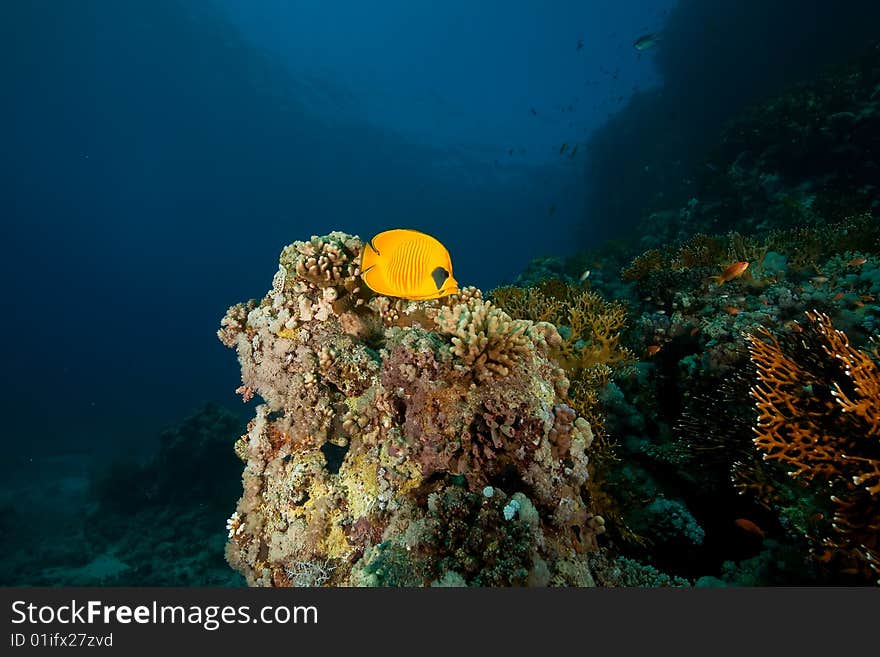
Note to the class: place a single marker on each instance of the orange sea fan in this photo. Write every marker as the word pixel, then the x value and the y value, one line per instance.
pixel 818 403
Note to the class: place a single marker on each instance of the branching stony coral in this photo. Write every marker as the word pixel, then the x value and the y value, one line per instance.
pixel 528 303
pixel 596 324
pixel 589 347
pixel 818 402
pixel 590 326
pixel 487 342
pixel 372 407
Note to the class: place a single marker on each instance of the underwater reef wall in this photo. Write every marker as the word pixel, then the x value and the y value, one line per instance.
pixel 715 59
pixel 787 207
pixel 402 443
pixel 805 157
pixel 792 448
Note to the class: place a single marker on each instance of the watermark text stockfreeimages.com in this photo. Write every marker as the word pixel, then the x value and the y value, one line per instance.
pixel 210 617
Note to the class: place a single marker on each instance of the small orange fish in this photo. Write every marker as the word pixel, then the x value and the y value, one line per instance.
pixel 856 262
pixel 858 304
pixel 732 271
pixel 868 297
pixel 695 330
pixel 747 525
pixel 732 310
pixel 819 280
pixel 838 296
pixel 653 349
pixel 825 557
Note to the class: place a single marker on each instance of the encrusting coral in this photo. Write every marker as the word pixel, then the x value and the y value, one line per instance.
pixel 402 442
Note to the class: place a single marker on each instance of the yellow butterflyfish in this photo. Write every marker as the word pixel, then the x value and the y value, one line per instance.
pixel 409 264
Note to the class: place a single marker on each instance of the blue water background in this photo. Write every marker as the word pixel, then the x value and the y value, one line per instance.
pixel 158 154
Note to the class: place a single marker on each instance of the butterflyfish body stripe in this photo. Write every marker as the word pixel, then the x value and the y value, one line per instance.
pixel 408 267
pixel 409 264
pixel 402 260
pixel 400 267
pixel 420 262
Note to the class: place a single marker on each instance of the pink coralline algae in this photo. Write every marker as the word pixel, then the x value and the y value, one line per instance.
pixel 402 443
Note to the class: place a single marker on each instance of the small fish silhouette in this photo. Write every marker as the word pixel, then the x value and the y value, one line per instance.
pixel 747 525
pixel 645 41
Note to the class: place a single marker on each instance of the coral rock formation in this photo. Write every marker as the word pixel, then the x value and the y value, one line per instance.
pixel 402 443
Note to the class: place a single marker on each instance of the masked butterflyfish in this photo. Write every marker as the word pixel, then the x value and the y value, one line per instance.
pixel 409 264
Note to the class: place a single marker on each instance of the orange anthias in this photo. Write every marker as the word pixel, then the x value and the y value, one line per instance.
pixel 732 271
pixel 747 525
